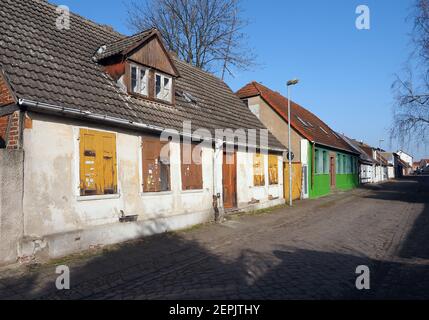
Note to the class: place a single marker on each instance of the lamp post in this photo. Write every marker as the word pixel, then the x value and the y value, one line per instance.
pixel 381 163
pixel 289 84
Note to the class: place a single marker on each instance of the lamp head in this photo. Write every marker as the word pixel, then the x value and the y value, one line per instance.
pixel 292 82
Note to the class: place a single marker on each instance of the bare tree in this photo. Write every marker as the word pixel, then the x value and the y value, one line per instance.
pixel 206 33
pixel 411 113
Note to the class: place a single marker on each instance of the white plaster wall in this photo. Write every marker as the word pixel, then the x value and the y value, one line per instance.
pixel 51 183
pixel 391 172
pixel 367 173
pixel 246 191
pixel 305 162
pixel 405 157
pixel 58 220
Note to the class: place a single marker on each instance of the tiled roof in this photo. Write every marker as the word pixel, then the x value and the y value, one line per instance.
pixel 302 120
pixel 364 157
pixel 369 151
pixel 52 66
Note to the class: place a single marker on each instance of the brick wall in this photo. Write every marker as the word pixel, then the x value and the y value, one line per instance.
pixel 9 131
pixel 5 95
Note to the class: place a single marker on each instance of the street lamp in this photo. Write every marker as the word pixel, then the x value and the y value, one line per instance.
pixel 381 163
pixel 289 84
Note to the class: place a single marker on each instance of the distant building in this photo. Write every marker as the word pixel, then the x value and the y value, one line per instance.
pixel 408 159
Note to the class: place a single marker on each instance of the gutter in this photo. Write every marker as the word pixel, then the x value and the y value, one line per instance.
pixel 336 148
pixel 49 108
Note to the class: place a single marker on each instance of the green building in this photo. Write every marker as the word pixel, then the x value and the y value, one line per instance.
pixel 331 169
pixel 323 161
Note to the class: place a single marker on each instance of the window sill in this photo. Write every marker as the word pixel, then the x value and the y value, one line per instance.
pixel 257 187
pixel 155 194
pixel 95 198
pixel 193 191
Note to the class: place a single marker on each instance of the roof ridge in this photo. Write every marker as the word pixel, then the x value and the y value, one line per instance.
pixel 128 37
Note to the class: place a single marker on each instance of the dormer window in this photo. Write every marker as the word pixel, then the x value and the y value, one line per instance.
pixel 163 87
pixel 139 80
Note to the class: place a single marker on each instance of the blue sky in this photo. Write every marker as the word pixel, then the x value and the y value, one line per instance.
pixel 346 73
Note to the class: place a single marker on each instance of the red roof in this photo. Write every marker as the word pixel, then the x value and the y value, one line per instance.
pixel 303 121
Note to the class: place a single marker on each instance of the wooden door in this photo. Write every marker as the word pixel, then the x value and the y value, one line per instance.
pixel 332 171
pixel 229 171
pixel 296 181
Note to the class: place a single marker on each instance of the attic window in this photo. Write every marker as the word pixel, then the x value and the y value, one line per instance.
pixel 189 97
pixel 324 130
pixel 305 124
pixel 163 85
pixel 139 80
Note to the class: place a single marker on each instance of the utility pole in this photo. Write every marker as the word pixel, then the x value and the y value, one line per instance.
pixel 289 84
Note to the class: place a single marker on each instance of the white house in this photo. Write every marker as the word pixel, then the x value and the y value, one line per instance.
pixel 121 139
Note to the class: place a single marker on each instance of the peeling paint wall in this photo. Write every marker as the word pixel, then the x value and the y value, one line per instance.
pixel 11 219
pixel 60 221
pixel 247 192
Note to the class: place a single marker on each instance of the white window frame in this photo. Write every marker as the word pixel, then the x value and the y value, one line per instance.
pixel 139 70
pixel 161 95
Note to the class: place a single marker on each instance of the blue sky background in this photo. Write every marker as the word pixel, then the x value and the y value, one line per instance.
pixel 346 74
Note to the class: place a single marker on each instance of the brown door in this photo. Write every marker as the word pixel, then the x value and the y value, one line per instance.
pixel 332 172
pixel 229 180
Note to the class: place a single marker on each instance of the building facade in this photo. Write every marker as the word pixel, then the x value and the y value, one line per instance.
pixel 326 162
pixel 121 138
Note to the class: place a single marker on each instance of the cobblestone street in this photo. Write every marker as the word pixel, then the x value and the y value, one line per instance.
pixel 308 252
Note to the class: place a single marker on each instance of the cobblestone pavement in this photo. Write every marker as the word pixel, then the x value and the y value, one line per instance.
pixel 308 252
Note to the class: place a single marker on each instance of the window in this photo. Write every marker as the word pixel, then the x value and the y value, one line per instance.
pixel 163 87
pixel 273 169
pixel 97 163
pixel 319 161
pixel 325 162
pixel 258 170
pixel 338 163
pixel 324 130
pixel 156 165
pixel 192 169
pixel 302 121
pixel 344 165
pixel 139 80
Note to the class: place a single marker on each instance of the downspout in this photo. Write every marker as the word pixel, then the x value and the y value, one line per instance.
pixel 313 166
pixel 216 195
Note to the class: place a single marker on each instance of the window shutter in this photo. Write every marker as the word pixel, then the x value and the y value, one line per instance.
pixel 192 176
pixel 150 166
pixel 109 163
pixel 88 163
pixel 98 174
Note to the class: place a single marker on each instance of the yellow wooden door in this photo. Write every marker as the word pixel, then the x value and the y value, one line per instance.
pixel 296 181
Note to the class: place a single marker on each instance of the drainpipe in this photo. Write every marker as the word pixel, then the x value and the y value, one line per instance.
pixel 313 166
pixel 216 193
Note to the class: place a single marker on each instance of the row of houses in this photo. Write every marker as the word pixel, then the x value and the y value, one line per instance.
pixel 421 166
pixel 108 138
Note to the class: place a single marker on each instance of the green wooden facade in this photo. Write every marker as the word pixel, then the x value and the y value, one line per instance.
pixel 345 169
